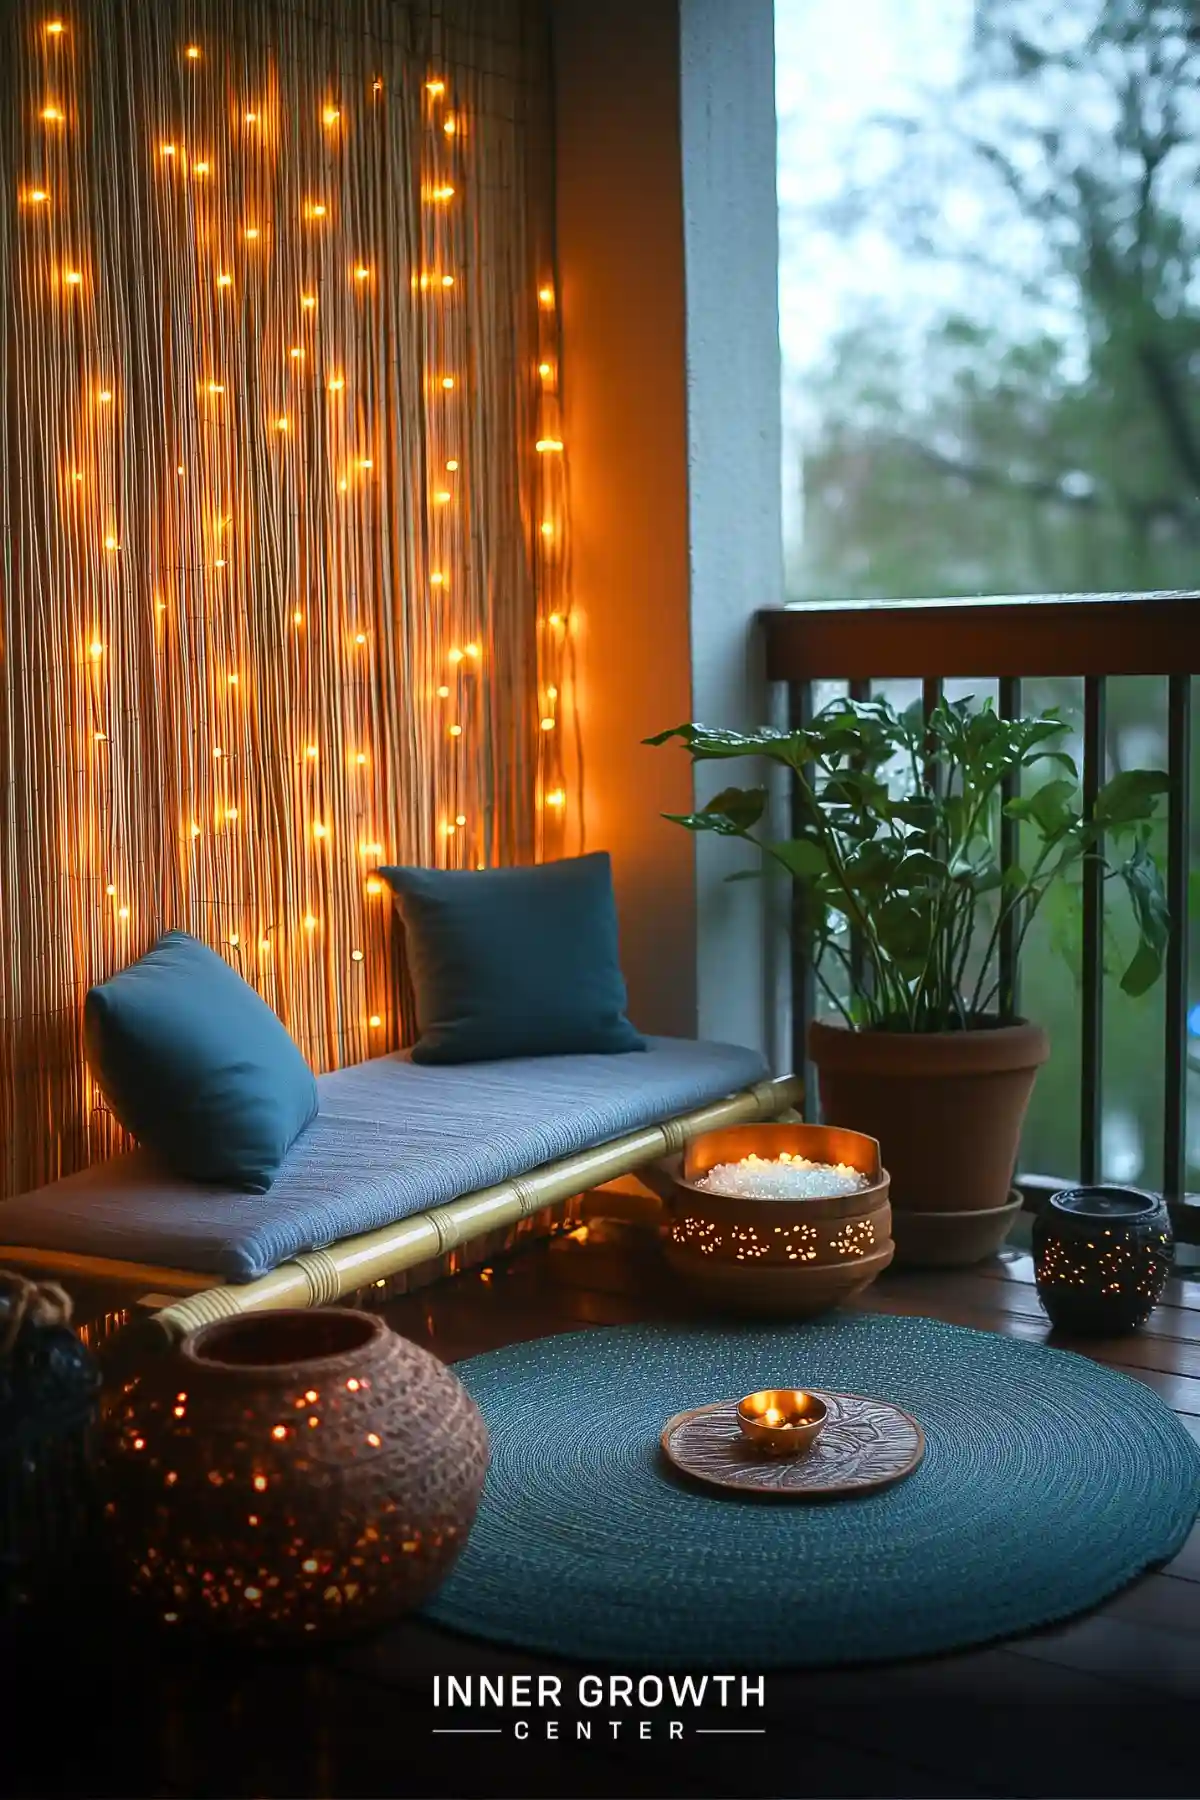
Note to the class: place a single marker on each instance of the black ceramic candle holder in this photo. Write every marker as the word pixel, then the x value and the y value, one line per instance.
pixel 1101 1258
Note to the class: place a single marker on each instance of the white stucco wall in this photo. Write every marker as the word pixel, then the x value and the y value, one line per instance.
pixel 667 244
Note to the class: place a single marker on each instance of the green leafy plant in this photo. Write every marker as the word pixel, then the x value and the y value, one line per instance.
pixel 896 853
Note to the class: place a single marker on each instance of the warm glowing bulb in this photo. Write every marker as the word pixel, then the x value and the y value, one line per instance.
pixel 101 737
pixel 443 193
pixel 224 280
pixel 544 444
pixel 310 924
pixel 450 128
pixel 336 384
pixel 360 637
pixel 546 296
pixel 371 849
pixel 547 528
pixel 456 731
pixel 375 1021
pixel 555 619
pixel 342 486
pixel 361 758
pixel 55 28
pixel 318 209
pixel 122 912
pixel 110 890
pixel 234 939
pixel 547 724
pixel 215 387
pixel 52 115
pixel 443 693
pixel 361 274
pixel 296 353
pixel 456 656
pixel 434 87
pixel 308 300
pixel 319 831
pixel 297 617
pixel 442 496
pixel 252 118
pixel 110 543
pixel 449 830
pixel 76 476
pixel 311 752
pixel 200 168
pixel 545 371
pixel 231 812
pixel 168 149
pixel 217 750
pixel 220 563
pixel 356 956
pixel 452 465
pixel 233 681
pixel 251 231
pixel 195 831
pixel 37 196
pixel 460 818
pixel 73 278
pixel 193 53
pixel 331 115
pixel 104 395
pixel 556 797
pixel 374 887
pixel 264 944
pixel 437 580
pixel 281 424
pixel 552 693
pixel 447 382
pixel 447 281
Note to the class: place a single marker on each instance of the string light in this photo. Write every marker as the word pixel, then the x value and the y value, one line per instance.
pixel 443 693
pixel 252 118
pixel 547 724
pixel 336 384
pixel 193 53
pixel 472 649
pixel 308 301
pixel 452 465
pixel 447 382
pixel 53 115
pixel 456 656
pixel 73 278
pixel 215 387
pixel 460 819
pixel 447 281
pixel 310 924
pixel 450 127
pixel 360 638
pixel 319 831
pixel 555 619
pixel 37 196
pixel 556 797
pixel 436 88
pixel 361 274
pixel 330 116
pixel 356 956
pixel 296 353
pixel 101 737
pixel 545 371
pixel 264 945
pixel 297 617
pixel 234 939
pixel 552 693
pixel 200 168
pixel 110 890
pixel 233 681
pixel 456 731
pixel 547 444
pixel 442 496
pixel 374 887
pixel 318 209
pixel 251 232
pixel 361 758
pixel 374 1021
pixel 312 753
pixel 231 812
pixel 122 912
pixel 281 424
pixel 104 396
pixel 547 528
pixel 111 543
pixel 437 579
pixel 546 296
pixel 55 28
pixel 168 149
pixel 442 193
pixel 224 281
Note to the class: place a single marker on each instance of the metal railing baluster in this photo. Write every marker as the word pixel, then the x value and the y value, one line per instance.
pixel 1009 706
pixel 1092 1013
pixel 804 980
pixel 1179 759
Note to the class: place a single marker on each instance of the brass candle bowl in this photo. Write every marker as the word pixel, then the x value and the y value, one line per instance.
pixel 782 1421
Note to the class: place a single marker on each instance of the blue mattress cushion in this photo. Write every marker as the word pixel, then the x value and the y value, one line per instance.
pixel 391 1139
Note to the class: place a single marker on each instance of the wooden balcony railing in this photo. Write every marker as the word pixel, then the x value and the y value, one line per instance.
pixel 1092 637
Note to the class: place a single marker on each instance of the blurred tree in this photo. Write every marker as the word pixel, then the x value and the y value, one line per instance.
pixel 1038 432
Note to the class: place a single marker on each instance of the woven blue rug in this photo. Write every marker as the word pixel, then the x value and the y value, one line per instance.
pixel 1048 1482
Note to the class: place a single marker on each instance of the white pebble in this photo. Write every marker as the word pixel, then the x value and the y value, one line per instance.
pixel 788 1178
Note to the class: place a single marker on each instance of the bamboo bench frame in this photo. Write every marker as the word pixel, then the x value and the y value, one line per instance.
pixel 321 1277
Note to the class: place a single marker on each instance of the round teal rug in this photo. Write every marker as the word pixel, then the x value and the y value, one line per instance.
pixel 1047 1483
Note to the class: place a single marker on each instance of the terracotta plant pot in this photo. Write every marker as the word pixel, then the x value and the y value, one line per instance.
pixel 796 1257
pixel 946 1107
pixel 292 1473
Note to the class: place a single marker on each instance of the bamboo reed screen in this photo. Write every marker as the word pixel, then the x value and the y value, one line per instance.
pixel 283 580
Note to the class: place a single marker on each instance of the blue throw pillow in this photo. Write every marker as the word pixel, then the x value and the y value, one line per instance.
pixel 514 962
pixel 197 1066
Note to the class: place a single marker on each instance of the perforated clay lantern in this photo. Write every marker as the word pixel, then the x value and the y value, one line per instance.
pixel 788 1256
pixel 291 1474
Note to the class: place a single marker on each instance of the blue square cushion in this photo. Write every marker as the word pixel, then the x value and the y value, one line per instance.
pixel 197 1066
pixel 514 962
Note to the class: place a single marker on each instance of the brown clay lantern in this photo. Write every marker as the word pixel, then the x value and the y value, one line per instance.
pixel 292 1474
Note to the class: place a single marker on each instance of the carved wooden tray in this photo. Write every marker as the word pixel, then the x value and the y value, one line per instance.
pixel 866 1444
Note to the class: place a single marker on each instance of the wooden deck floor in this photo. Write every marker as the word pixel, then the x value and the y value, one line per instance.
pixel 1100 1706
